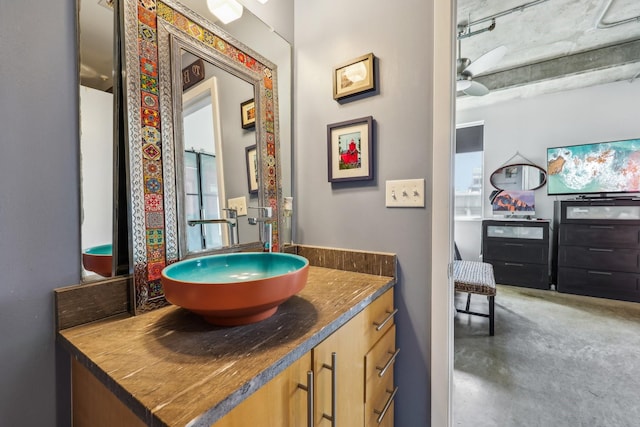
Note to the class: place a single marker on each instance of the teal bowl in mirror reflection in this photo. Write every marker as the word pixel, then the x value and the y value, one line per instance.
pixel 235 288
pixel 98 259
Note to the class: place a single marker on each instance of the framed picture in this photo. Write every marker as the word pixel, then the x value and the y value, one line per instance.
pixel 248 114
pixel 354 77
pixel 252 168
pixel 350 150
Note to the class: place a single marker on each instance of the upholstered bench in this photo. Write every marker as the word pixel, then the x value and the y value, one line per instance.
pixel 475 277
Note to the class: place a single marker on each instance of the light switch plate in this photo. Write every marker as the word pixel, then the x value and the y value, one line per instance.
pixel 239 204
pixel 405 193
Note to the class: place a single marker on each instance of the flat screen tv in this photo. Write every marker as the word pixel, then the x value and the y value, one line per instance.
pixel 599 168
pixel 514 203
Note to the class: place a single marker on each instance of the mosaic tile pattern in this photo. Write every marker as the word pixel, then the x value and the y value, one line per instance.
pixel 148 291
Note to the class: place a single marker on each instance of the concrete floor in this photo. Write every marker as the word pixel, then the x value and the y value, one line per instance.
pixel 555 360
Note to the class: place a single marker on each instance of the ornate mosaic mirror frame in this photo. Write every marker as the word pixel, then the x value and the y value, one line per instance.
pixel 150 132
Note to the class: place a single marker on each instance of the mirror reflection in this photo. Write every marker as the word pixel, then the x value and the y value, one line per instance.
pixel 213 148
pixel 518 176
pixel 95 28
pixel 95 32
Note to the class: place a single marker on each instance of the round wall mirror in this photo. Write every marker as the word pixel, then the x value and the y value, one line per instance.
pixel 518 176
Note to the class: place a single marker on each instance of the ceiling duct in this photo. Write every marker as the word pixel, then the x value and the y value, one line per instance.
pixel 601 25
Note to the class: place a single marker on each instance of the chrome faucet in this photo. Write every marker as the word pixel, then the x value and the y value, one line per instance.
pixel 232 214
pixel 266 231
pixel 231 221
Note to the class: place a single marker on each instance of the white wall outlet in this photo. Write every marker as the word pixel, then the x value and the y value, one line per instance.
pixel 405 193
pixel 239 204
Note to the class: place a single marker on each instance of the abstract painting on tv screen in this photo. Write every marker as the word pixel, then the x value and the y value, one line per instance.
pixel 606 167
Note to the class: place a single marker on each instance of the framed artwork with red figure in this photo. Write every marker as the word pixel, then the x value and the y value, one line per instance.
pixel 350 150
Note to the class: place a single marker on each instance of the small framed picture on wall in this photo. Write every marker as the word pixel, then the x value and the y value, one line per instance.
pixel 252 168
pixel 350 150
pixel 354 77
pixel 248 114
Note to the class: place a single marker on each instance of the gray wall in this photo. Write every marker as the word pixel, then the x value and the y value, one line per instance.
pixel 278 14
pixel 530 125
pixel 39 201
pixel 353 215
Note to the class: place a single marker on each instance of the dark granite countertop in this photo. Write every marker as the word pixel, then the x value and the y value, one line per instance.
pixel 172 368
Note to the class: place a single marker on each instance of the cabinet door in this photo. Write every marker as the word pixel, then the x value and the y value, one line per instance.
pixel 280 402
pixel 340 387
pixel 94 405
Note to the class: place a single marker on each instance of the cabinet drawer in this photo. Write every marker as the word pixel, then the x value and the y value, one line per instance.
pixel 512 251
pixel 620 236
pixel 379 318
pixel 520 274
pixel 608 259
pixel 596 283
pixel 379 363
pixel 375 415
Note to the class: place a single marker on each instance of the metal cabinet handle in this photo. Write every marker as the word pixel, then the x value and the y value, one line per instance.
pixel 514 244
pixel 382 413
pixel 600 250
pixel 601 227
pixel 333 368
pixel 309 389
pixel 384 322
pixel 513 264
pixel 602 273
pixel 383 370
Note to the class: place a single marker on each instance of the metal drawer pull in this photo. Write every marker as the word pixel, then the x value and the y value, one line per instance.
pixel 309 389
pixel 601 227
pixel 386 405
pixel 602 273
pixel 333 369
pixel 514 264
pixel 384 322
pixel 600 250
pixel 383 370
pixel 514 244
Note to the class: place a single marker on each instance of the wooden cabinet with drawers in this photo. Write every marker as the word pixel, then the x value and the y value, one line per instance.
pixel 598 248
pixel 345 380
pixel 518 251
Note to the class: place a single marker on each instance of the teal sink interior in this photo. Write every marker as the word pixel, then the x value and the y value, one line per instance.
pixel 237 288
pixel 98 259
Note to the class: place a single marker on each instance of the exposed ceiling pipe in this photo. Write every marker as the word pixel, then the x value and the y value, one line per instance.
pixel 600 24
pixel 464 30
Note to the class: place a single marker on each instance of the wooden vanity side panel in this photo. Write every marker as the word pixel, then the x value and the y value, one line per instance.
pixel 94 405
pixel 280 402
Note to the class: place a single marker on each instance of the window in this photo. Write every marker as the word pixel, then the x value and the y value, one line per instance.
pixel 468 171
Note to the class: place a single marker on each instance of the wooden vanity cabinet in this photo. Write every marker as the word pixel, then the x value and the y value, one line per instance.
pixel 354 390
pixel 362 348
pixel 280 402
pixel 345 370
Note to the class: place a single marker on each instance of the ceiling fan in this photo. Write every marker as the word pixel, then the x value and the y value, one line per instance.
pixel 466 70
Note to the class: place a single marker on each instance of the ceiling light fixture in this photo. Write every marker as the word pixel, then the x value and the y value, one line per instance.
pixel 225 10
pixel 263 1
